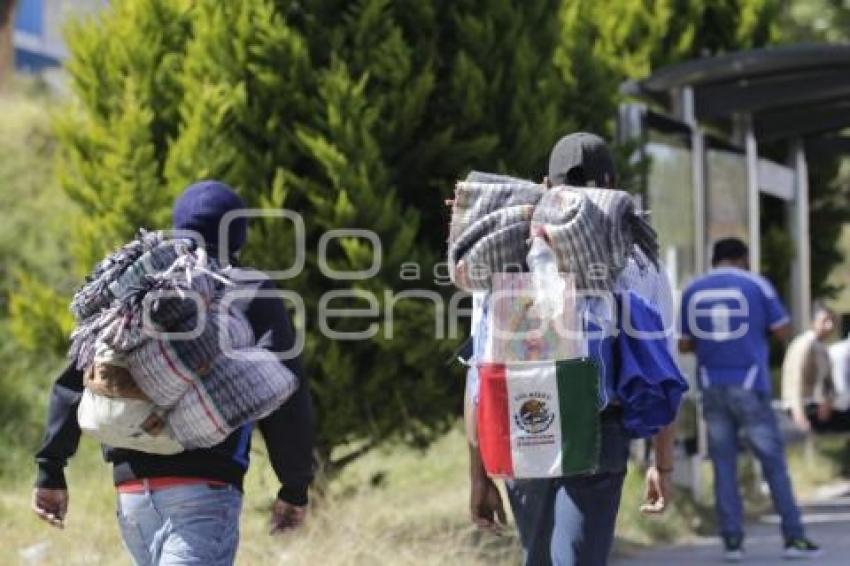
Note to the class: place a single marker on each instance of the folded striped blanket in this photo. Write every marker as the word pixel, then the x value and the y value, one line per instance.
pixel 165 369
pixel 110 306
pixel 234 392
pixel 491 221
pixel 157 303
pixel 592 231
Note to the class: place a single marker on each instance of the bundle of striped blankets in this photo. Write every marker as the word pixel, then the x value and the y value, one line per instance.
pixel 157 307
pixel 592 232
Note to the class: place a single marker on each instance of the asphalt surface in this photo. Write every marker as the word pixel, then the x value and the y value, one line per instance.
pixel 827 520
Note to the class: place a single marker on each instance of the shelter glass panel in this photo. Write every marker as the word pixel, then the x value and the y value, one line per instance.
pixel 727 195
pixel 670 196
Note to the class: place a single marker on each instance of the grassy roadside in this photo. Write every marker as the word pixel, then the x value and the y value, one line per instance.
pixel 398 506
pixel 690 519
pixel 394 506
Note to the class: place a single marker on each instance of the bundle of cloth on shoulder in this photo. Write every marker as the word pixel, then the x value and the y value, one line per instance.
pixel 170 364
pixel 595 235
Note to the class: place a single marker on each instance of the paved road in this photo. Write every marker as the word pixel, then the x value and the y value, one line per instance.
pixel 827 521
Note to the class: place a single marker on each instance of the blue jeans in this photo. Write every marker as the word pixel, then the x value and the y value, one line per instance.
pixel 186 525
pixel 728 409
pixel 570 521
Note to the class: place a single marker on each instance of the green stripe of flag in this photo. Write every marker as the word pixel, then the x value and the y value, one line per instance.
pixel 578 395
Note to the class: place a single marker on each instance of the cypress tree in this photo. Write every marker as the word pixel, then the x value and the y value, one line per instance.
pixel 358 115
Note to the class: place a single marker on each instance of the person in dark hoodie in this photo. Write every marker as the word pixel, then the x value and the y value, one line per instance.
pixel 184 508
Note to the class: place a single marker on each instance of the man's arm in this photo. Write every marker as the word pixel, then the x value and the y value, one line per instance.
pixel 778 320
pixel 288 434
pixel 62 434
pixel 664 441
pixel 686 342
pixel 485 501
pixel 782 332
pixel 838 358
pixel 824 390
pixel 288 431
pixel 61 439
pixel 797 378
pixel 657 492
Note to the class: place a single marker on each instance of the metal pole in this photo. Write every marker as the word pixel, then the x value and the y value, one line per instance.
pixel 801 299
pixel 753 205
pixel 688 115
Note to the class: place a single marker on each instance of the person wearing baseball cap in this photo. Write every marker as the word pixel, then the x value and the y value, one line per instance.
pixel 582 159
pixel 571 520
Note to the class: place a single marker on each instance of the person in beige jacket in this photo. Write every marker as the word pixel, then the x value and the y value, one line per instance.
pixel 807 385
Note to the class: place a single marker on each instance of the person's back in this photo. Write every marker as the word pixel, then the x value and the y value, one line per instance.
pixel 227 461
pixel 571 520
pixel 728 313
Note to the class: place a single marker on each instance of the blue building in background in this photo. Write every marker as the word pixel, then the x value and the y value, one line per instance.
pixel 38 31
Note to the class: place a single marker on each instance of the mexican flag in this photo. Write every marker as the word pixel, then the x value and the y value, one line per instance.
pixel 539 419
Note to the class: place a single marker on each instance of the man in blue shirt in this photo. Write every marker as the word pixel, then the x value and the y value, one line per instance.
pixel 726 318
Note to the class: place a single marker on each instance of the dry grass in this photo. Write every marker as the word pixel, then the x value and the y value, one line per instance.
pixel 394 507
pixel 397 506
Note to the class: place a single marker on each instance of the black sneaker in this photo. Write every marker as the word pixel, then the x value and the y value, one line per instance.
pixel 733 549
pixel 801 548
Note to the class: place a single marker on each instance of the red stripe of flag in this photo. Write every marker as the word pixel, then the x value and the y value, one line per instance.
pixel 494 426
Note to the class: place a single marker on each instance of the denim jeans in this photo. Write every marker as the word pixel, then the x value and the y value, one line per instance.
pixel 570 521
pixel 728 409
pixel 186 525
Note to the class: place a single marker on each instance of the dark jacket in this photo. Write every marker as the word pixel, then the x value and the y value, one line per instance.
pixel 288 432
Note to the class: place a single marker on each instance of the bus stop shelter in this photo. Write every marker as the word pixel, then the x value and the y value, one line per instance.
pixel 721 140
pixel 702 123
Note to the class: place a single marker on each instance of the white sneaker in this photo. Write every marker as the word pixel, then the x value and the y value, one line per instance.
pixel 801 548
pixel 733 549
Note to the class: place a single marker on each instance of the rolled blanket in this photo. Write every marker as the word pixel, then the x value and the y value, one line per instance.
pixel 156 307
pixel 236 391
pixel 169 282
pixel 493 244
pixel 490 228
pixel 482 194
pixel 593 232
pixel 95 294
pixel 151 262
pixel 166 368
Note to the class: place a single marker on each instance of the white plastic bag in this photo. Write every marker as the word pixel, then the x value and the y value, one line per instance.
pixel 548 284
pixel 514 330
pixel 122 423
